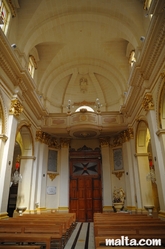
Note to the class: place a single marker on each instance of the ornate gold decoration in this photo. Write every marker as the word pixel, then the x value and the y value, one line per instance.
pixel 104 142
pixel 33 61
pixel 43 137
pixel 52 176
pixel 122 137
pixel 148 102
pixel 12 9
pixel 132 58
pixel 130 132
pixel 16 107
pixel 118 173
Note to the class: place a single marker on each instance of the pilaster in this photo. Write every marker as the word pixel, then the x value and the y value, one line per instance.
pixel 64 178
pixel 106 175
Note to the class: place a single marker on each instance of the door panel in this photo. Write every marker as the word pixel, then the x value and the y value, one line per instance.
pixel 85 185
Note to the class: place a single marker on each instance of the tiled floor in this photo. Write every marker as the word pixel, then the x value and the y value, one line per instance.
pixel 82 237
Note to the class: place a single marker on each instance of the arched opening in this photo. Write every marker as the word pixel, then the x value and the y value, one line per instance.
pixel 146 167
pixel 14 184
pixel 23 150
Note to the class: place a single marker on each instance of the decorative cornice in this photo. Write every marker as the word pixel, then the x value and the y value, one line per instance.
pixel 148 102
pixel 16 107
pixel 123 137
pixel 45 138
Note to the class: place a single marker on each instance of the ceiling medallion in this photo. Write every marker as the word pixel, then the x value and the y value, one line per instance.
pixel 83 84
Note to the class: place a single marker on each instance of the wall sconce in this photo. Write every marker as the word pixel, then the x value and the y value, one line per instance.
pixel 16 177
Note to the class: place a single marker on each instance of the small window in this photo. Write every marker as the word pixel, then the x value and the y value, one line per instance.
pixel 32 65
pixel 132 58
pixel 5 16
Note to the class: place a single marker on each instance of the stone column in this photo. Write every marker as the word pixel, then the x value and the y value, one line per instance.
pixel 157 150
pixel 129 175
pixel 146 187
pixel 5 175
pixel 106 177
pixel 41 168
pixel 64 178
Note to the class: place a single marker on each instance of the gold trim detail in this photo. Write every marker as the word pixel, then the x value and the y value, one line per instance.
pixel 63 208
pixel 16 107
pixel 107 209
pixel 33 61
pixel 118 173
pixel 148 102
pixel 12 9
pixel 52 176
pixel 132 208
pixel 123 137
pixel 3 216
pixel 43 137
pixel 104 142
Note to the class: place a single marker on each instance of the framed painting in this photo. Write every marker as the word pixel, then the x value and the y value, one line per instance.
pixel 52 160
pixel 118 159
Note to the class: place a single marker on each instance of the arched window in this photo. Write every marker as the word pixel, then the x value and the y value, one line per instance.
pixel 5 15
pixel 85 108
pixel 32 65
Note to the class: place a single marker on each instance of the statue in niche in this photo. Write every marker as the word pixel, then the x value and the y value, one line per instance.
pixel 83 84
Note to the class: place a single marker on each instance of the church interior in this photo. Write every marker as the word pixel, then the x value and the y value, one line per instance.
pixel 82 107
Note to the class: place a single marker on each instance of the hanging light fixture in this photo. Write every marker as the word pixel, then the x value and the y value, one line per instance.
pixel 16 177
pixel 151 175
pixel 98 105
pixel 69 106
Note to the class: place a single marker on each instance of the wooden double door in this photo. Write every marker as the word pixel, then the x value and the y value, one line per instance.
pixel 85 188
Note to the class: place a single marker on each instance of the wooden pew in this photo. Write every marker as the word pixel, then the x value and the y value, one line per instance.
pixel 113 226
pixel 8 246
pixel 31 233
pixel 26 238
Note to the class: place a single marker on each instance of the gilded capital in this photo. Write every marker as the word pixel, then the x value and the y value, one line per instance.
pixel 148 102
pixel 130 132
pixel 104 142
pixel 16 107
pixel 65 143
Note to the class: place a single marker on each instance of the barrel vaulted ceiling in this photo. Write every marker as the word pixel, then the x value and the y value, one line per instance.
pixel 82 49
pixel 88 40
